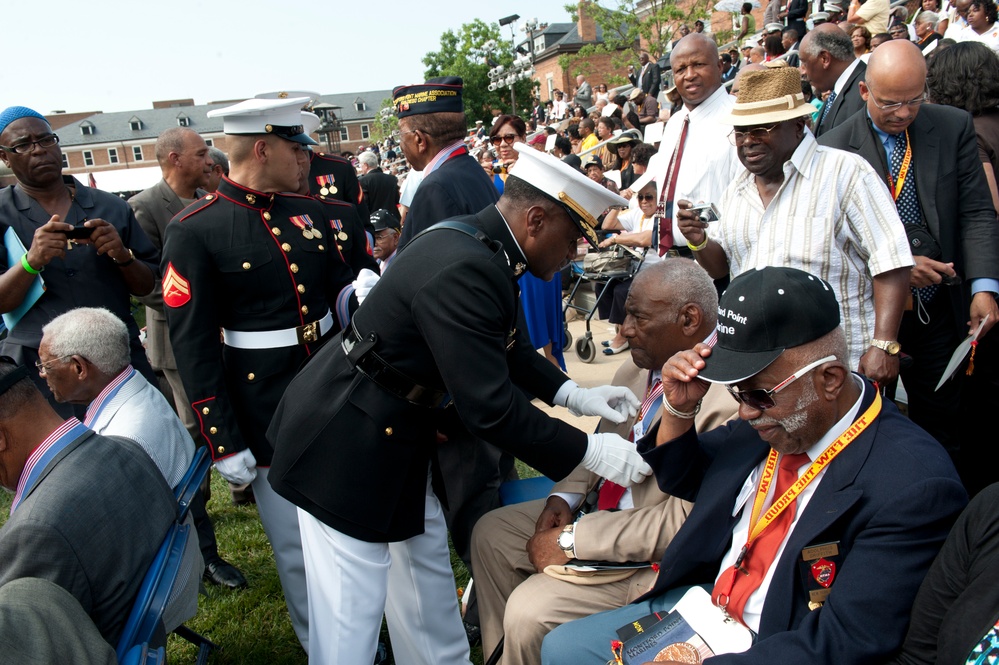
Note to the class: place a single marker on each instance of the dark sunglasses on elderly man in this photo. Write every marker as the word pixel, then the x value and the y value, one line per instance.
pixel 762 399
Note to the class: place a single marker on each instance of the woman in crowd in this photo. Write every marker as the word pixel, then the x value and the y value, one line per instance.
pixel 861 38
pixel 747 23
pixel 982 25
pixel 774 46
pixel 541 300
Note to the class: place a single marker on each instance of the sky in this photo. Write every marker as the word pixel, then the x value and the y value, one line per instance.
pixel 110 55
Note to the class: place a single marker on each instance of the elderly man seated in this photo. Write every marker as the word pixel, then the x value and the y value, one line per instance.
pixel 84 359
pixel 672 306
pixel 817 513
pixel 89 512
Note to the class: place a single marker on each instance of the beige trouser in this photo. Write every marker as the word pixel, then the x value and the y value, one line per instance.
pixel 525 606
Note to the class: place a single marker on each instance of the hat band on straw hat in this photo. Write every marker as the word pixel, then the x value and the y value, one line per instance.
pixel 785 103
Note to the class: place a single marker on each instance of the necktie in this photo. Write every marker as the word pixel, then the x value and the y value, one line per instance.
pixel 907 203
pixel 610 492
pixel 763 550
pixel 665 210
pixel 828 105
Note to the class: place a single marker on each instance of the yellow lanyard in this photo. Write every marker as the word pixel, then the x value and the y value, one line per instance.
pixel 760 524
pixel 896 187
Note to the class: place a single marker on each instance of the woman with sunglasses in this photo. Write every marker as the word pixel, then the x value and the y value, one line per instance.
pixel 541 301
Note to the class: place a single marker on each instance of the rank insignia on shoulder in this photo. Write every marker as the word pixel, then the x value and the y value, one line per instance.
pixel 176 289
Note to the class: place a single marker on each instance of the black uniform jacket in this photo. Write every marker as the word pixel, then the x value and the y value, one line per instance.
pixel 356 456
pixel 345 187
pixel 237 260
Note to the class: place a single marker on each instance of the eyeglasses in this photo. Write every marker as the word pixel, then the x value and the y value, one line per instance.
pixel 758 135
pixel 27 146
pixel 646 197
pixel 509 139
pixel 44 367
pixel 762 399
pixel 894 106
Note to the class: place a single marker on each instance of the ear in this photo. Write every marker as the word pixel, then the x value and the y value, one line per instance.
pixel 535 221
pixel 261 149
pixel 830 379
pixel 80 369
pixel 690 317
pixel 865 92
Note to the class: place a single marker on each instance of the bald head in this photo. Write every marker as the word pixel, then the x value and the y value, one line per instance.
pixel 697 69
pixel 896 73
pixel 698 43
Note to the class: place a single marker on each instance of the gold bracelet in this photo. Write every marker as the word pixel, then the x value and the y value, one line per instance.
pixel 697 248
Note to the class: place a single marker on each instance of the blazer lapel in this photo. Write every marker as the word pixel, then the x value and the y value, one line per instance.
pixel 925 146
pixel 171 201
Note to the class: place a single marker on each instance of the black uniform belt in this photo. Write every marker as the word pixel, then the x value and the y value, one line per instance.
pixel 360 355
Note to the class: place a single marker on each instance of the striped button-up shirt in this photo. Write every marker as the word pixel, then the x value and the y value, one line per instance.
pixel 832 217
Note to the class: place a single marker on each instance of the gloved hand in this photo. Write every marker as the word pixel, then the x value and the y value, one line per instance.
pixel 615 403
pixel 615 458
pixel 366 280
pixel 240 468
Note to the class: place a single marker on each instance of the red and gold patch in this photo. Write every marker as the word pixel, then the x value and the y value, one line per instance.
pixel 176 289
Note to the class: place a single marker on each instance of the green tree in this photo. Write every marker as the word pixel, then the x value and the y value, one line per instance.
pixel 628 25
pixel 386 121
pixel 467 54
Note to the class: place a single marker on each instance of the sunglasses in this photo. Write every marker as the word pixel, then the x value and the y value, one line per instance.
pixel 505 138
pixel 646 197
pixel 762 399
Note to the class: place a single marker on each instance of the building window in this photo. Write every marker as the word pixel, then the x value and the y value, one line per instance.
pixel 365 133
pixel 135 124
pixel 183 121
pixel 65 161
pixel 86 128
pixel 359 105
pixel 137 153
pixel 344 136
pixel 113 155
pixel 88 158
pixel 210 143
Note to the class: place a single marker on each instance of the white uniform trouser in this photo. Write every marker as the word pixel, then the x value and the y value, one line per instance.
pixel 280 519
pixel 352 582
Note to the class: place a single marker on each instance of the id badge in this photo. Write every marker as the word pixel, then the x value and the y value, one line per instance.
pixel 638 429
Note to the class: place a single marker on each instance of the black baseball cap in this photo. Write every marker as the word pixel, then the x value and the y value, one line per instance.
pixel 382 219
pixel 764 312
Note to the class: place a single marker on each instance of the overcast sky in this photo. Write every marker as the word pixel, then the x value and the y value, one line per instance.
pixel 111 55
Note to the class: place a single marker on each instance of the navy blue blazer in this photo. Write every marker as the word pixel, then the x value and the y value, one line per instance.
pixel 889 499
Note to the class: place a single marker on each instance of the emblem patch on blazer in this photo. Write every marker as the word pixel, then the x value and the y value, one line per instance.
pixel 176 289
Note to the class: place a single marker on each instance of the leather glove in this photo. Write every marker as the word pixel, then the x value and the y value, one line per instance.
pixel 615 403
pixel 615 458
pixel 366 280
pixel 240 468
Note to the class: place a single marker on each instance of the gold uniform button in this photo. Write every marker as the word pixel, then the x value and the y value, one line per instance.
pixel 301 288
pixel 221 449
pixel 205 411
pixel 246 265
pixel 321 248
pixel 305 309
pixel 209 197
pixel 267 216
pixel 388 431
pixel 276 231
pixel 293 267
pixel 213 430
pixel 286 247
pixel 251 376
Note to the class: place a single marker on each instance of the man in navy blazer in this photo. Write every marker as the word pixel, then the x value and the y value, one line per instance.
pixel 883 503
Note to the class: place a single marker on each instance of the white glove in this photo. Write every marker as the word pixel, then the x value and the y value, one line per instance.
pixel 239 469
pixel 615 458
pixel 615 403
pixel 366 280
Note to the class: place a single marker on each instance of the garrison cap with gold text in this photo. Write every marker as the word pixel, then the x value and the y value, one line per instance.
pixel 438 95
pixel 281 117
pixel 582 198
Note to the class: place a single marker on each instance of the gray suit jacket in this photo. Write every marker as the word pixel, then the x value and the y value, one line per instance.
pixel 846 103
pixel 154 208
pixel 91 524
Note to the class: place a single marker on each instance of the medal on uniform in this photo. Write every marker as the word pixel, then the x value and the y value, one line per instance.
pixel 327 184
pixel 305 224
pixel 338 226
pixel 818 571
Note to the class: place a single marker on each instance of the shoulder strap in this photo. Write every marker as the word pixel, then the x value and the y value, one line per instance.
pixel 467 229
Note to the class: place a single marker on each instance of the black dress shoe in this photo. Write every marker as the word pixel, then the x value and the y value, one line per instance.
pixel 221 573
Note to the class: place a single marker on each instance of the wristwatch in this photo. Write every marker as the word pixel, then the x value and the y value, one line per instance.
pixel 891 348
pixel 567 540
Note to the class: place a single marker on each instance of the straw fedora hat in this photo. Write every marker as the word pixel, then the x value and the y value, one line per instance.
pixel 767 96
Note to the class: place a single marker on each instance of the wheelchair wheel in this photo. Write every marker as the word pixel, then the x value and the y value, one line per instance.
pixel 586 349
pixel 566 340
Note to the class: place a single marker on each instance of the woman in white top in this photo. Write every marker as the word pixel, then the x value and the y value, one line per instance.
pixel 982 25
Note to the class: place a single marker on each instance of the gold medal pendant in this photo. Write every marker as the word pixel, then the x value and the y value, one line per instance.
pixel 341 235
pixel 307 234
pixel 333 190
pixel 325 191
pixel 317 234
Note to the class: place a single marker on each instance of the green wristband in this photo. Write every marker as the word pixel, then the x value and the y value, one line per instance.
pixel 27 266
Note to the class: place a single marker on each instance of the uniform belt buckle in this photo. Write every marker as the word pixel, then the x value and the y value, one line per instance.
pixel 308 334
